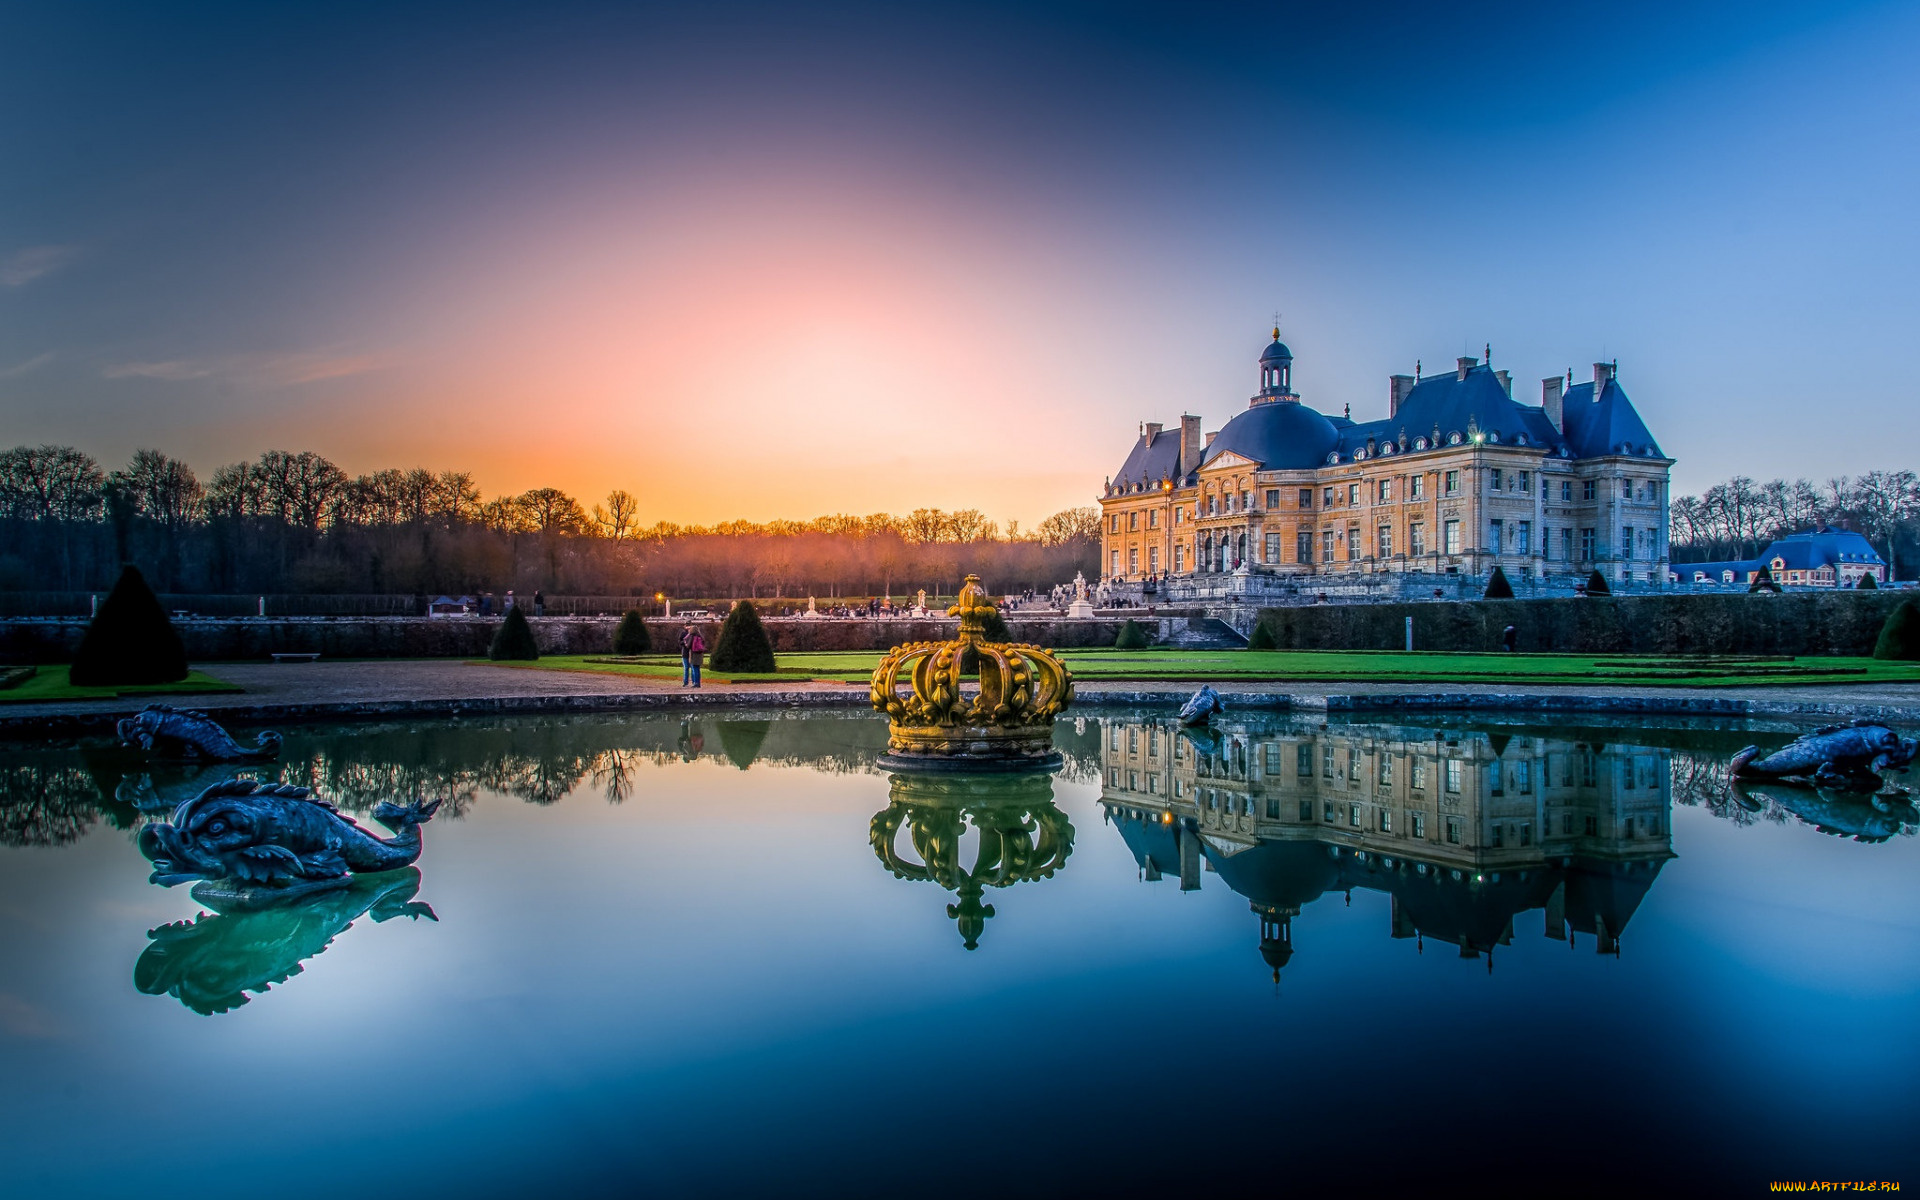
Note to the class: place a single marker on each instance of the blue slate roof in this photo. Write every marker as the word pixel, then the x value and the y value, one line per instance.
pixel 1452 405
pixel 1808 550
pixel 1608 425
pixel 1151 460
pixel 1277 352
pixel 1282 435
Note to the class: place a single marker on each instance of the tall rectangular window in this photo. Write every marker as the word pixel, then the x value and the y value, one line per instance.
pixel 1133 560
pixel 1566 491
pixel 1493 479
pixel 1494 530
pixel 1453 831
pixel 1113 566
pixel 1453 483
pixel 1566 545
pixel 1385 542
pixel 1306 497
pixel 1450 773
pixel 1626 541
pixel 1416 487
pixel 1303 546
pixel 1416 539
pixel 1303 761
pixel 1116 524
pixel 1417 824
pixel 1587 490
pixel 1153 518
pixel 1523 482
pixel 1273 497
pixel 1386 490
pixel 1626 489
pixel 1353 542
pixel 1326 545
pixel 1326 497
pixel 1153 560
pixel 1523 538
pixel 1273 548
pixel 1450 532
pixel 1133 521
pixel 1586 545
pixel 1179 557
pixel 1353 493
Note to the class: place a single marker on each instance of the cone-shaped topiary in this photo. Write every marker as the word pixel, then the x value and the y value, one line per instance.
pixel 995 626
pixel 1900 636
pixel 513 641
pixel 1498 588
pixel 1763 582
pixel 1597 584
pixel 630 636
pixel 742 644
pixel 130 639
pixel 1261 638
pixel 1132 637
pixel 1867 583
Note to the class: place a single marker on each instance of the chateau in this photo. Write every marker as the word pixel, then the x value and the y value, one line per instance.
pixel 1457 478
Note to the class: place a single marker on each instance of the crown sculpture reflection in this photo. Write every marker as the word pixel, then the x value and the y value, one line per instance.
pixel 1006 724
pixel 1023 837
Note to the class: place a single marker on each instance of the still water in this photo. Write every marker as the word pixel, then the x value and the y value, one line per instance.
pixel 729 956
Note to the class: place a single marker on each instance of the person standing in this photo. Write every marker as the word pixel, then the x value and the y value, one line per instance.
pixel 539 603
pixel 692 648
pixel 1510 637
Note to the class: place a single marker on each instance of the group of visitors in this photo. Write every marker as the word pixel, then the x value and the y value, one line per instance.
pixel 693 648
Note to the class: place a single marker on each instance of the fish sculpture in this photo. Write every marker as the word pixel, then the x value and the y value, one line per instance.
pixel 1844 757
pixel 259 844
pixel 1200 709
pixel 1849 814
pixel 210 963
pixel 168 732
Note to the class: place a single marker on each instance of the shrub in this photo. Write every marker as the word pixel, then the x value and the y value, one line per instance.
pixel 513 641
pixel 1597 584
pixel 1498 588
pixel 1867 583
pixel 996 627
pixel 742 644
pixel 630 637
pixel 130 639
pixel 1261 638
pixel 1900 636
pixel 1132 637
pixel 1763 582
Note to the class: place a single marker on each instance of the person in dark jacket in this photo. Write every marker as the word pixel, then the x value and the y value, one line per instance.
pixel 1510 638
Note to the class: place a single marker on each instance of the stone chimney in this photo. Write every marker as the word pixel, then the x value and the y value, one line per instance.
pixel 1151 431
pixel 1210 437
pixel 1553 394
pixel 1398 388
pixel 1601 373
pixel 1506 381
pixel 1190 444
pixel 1462 365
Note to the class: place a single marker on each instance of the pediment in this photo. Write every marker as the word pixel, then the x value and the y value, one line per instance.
pixel 1223 847
pixel 1230 459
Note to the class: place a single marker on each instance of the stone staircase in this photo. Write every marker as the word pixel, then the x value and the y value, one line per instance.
pixel 1199 633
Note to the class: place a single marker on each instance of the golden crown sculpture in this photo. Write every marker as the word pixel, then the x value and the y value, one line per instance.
pixel 1006 725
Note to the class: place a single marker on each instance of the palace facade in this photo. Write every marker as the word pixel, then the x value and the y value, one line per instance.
pixel 1456 479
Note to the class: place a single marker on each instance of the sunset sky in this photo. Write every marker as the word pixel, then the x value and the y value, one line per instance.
pixel 755 260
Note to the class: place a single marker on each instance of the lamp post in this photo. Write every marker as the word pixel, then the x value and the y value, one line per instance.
pixel 661 598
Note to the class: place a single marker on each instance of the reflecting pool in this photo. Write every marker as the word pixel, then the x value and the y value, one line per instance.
pixel 727 955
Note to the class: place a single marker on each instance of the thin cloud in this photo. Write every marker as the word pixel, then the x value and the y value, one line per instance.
pixel 172 369
pixel 28 367
pixel 265 370
pixel 25 266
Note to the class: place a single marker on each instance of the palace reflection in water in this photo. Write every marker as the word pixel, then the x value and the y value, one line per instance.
pixel 1464 831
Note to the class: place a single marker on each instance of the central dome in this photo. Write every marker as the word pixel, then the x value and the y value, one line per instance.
pixel 1284 436
pixel 1277 352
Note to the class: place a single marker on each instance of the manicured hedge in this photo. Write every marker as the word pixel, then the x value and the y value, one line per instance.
pixel 513 641
pixel 742 644
pixel 130 639
pixel 1838 621
pixel 630 637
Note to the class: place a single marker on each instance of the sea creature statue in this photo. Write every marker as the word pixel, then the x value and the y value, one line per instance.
pixel 210 963
pixel 168 732
pixel 1845 757
pixel 1862 817
pixel 1200 709
pixel 261 844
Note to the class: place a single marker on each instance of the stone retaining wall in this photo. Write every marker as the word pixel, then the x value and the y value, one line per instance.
pixel 1796 623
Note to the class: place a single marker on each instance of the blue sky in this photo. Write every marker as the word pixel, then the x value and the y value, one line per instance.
pixel 601 246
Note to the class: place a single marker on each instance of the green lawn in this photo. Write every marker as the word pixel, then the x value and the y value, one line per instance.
pixel 50 684
pixel 1333 666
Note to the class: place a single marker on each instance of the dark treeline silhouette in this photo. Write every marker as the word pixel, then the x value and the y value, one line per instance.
pixel 1737 519
pixel 296 523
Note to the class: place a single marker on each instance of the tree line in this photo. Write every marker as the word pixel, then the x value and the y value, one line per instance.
pixel 1737 519
pixel 296 523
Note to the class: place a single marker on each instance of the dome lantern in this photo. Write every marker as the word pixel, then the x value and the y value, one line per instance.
pixel 1276 371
